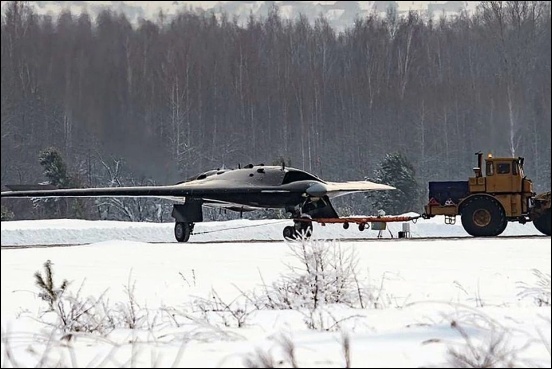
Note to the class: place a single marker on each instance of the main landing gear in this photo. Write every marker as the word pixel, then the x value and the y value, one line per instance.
pixel 183 230
pixel 186 215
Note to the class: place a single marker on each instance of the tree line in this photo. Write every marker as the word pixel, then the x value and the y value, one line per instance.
pixel 166 99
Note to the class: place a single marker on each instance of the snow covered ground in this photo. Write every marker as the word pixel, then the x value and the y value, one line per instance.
pixel 390 303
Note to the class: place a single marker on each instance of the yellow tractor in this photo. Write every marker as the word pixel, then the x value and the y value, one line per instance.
pixel 486 203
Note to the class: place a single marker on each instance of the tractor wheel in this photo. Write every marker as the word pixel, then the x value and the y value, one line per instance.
pixel 543 223
pixel 483 216
pixel 182 231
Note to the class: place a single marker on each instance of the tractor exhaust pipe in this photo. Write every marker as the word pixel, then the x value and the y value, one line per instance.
pixel 478 169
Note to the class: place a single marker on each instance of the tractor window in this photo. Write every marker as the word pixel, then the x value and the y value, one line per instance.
pixel 503 168
pixel 514 168
pixel 489 168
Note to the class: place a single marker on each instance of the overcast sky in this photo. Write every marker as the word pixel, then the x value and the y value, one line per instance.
pixel 341 15
pixel 152 7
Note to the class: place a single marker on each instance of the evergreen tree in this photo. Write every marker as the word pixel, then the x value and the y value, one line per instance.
pixel 54 167
pixel 7 214
pixel 48 291
pixel 56 172
pixel 395 170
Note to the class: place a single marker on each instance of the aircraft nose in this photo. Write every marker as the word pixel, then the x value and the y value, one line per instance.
pixel 317 190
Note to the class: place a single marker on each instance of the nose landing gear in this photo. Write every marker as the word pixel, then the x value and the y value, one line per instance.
pixel 301 229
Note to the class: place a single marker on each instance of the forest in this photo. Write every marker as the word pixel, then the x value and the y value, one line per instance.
pixel 162 100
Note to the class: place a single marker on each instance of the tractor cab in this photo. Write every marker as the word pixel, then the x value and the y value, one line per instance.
pixel 505 175
pixel 502 175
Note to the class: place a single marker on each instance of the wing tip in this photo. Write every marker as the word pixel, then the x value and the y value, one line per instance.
pixel 30 187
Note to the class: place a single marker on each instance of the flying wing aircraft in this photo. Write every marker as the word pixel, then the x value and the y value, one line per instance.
pixel 303 195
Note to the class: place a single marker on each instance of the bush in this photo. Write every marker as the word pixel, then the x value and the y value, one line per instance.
pixel 327 275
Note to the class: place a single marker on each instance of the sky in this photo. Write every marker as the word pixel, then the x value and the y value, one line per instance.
pixel 341 15
pixel 403 5
pixel 205 303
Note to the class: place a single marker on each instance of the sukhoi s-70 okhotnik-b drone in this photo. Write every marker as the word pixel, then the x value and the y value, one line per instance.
pixel 303 195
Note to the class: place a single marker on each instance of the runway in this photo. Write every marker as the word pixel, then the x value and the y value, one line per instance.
pixel 258 241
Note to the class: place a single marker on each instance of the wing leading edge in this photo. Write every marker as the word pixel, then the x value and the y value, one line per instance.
pixel 166 192
pixel 145 191
pixel 336 189
pixel 179 190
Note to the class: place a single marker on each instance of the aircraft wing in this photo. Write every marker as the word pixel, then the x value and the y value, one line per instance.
pixel 171 192
pixel 336 189
pixel 49 191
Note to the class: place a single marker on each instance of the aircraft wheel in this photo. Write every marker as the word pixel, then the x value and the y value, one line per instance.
pixel 182 231
pixel 305 230
pixel 289 233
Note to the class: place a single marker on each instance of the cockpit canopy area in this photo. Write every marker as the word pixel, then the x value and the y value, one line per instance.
pixel 294 175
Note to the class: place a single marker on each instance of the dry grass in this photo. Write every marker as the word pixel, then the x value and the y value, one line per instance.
pixel 328 278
